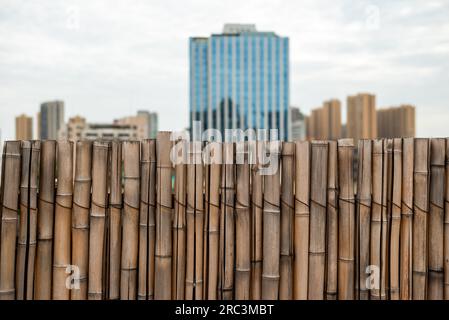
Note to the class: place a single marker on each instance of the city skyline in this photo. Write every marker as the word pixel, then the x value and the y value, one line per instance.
pixel 106 62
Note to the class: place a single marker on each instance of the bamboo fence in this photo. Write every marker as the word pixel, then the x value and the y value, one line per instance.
pixel 119 220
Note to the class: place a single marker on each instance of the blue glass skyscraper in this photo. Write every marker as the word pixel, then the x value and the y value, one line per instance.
pixel 240 79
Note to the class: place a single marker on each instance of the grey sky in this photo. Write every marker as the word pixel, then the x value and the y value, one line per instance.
pixel 108 59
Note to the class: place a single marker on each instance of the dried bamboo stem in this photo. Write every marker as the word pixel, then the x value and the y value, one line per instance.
pixel 44 258
pixel 436 219
pixel 396 175
pixel 9 211
pixel 446 226
pixel 406 219
pixel 271 227
pixel 163 251
pixel 287 221
pixel 199 222
pixel 318 205
pixel 364 214
pixel 346 223
pixel 130 222
pixel 97 234
pixel 190 219
pixel 151 221
pixel 242 225
pixel 420 218
pixel 80 217
pixel 63 221
pixel 302 215
pixel 332 223
pixel 256 226
pixel 115 225
pixel 214 219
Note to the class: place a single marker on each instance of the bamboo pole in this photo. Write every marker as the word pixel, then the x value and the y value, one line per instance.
pixel 376 219
pixel 227 224
pixel 190 224
pixel 206 190
pixel 199 222
pixel 271 227
pixel 9 212
pixel 151 221
pixel 45 221
pixel 80 217
pixel 436 220
pixel 130 222
pixel 97 234
pixel 287 221
pixel 163 251
pixel 406 219
pixel 364 185
pixel 302 214
pixel 256 226
pixel 63 219
pixel 142 293
pixel 179 227
pixel 346 223
pixel 115 224
pixel 446 226
pixel 214 219
pixel 420 218
pixel 332 223
pixel 318 205
pixel 24 217
pixel 396 175
pixel 242 225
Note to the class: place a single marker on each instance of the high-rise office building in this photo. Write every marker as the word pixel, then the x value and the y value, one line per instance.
pixel 396 122
pixel 24 127
pixel 51 119
pixel 240 79
pixel 361 117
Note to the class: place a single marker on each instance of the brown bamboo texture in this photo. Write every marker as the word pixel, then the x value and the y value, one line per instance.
pixel 80 217
pixel 446 226
pixel 130 220
pixel 45 221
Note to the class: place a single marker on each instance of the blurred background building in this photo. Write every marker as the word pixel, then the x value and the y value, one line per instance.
pixel 24 127
pixel 50 120
pixel 396 122
pixel 298 124
pixel 240 79
pixel 146 123
pixel 361 117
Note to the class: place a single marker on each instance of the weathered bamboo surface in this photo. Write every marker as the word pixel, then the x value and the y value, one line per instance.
pixel 123 220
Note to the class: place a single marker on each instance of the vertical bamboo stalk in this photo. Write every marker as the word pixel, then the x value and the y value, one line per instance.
pixel 97 234
pixel 163 251
pixel 24 216
pixel 179 226
pixel 80 217
pixel 271 227
pixel 332 223
pixel 420 218
pixel 302 215
pixel 151 221
pixel 190 224
pixel 242 225
pixel 130 222
pixel 63 221
pixel 406 219
pixel 9 212
pixel 142 293
pixel 214 219
pixel 396 220
pixel 206 191
pixel 436 219
pixel 227 224
pixel 346 223
pixel 199 221
pixel 115 224
pixel 446 226
pixel 318 205
pixel 364 214
pixel 256 226
pixel 44 257
pixel 287 221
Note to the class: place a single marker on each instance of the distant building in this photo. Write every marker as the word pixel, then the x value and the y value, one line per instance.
pixel 298 124
pixel 239 79
pixel 146 123
pixel 24 127
pixel 325 122
pixel 73 130
pixel 361 117
pixel 396 122
pixel 50 120
pixel 108 132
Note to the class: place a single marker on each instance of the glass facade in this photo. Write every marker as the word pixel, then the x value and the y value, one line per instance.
pixel 240 79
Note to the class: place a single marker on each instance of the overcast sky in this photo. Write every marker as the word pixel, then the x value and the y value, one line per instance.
pixel 107 59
